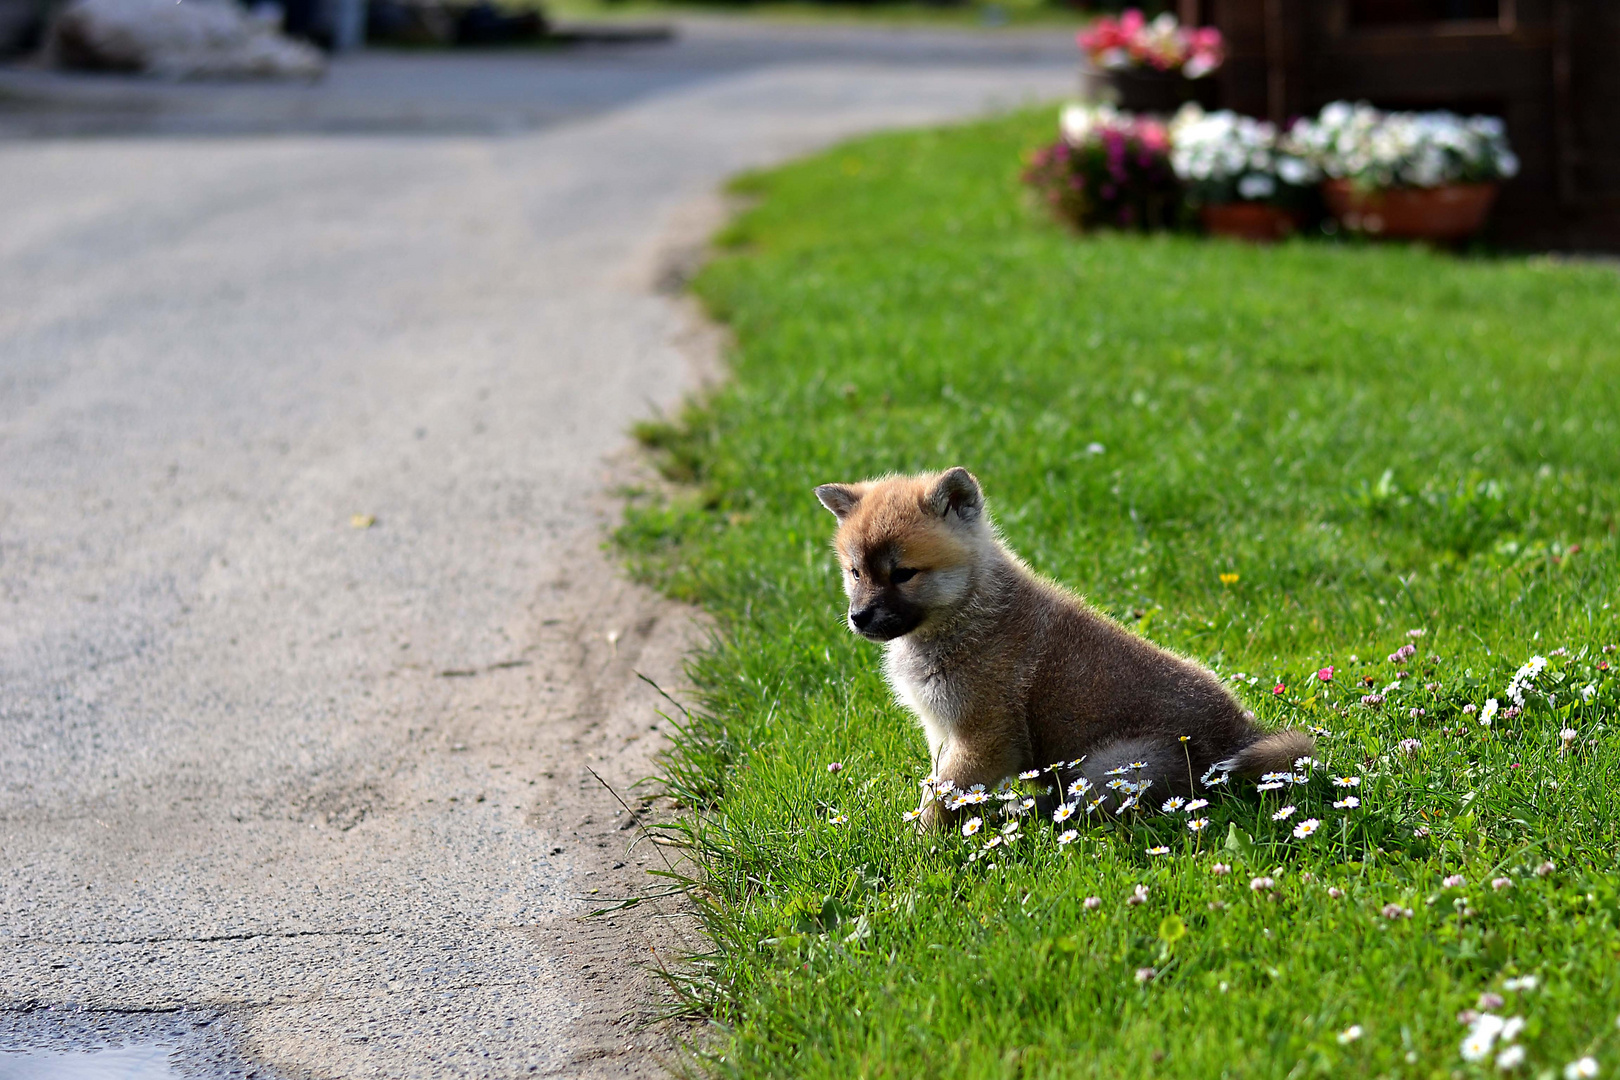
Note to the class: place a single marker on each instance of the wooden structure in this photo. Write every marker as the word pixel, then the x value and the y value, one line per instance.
pixel 1550 68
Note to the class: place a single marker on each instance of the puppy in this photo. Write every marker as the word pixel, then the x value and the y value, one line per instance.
pixel 1008 672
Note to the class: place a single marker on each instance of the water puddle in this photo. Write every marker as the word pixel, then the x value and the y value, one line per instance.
pixel 83 1044
pixel 149 1062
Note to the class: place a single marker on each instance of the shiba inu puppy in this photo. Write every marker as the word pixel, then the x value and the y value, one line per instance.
pixel 1008 672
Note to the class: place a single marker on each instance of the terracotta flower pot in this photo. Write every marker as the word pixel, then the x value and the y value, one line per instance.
pixel 1148 90
pixel 1448 213
pixel 1255 222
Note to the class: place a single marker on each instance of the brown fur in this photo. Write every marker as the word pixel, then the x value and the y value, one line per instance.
pixel 1007 671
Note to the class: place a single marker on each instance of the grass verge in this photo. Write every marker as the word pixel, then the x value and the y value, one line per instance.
pixel 1274 460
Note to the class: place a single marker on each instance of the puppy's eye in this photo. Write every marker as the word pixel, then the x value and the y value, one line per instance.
pixel 854 572
pixel 902 575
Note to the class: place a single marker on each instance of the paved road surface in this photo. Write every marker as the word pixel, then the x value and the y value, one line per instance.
pixel 294 794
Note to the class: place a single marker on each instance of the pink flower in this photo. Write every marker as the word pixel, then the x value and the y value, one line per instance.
pixel 1279 689
pixel 835 767
pixel 1326 674
pixel 1092 903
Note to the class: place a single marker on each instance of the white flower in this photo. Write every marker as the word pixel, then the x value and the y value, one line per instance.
pixel 1257 186
pixel 1079 788
pixel 1272 786
pixel 1159 850
pixel 1063 813
pixel 1261 884
pixel 1196 805
pixel 1029 774
pixel 972 825
pixel 911 815
pixel 1010 828
pixel 1350 1034
pixel 1172 804
pixel 1067 837
pixel 1482 1035
pixel 1583 1069
pixel 1488 713
pixel 1453 881
pixel 1511 1029
pixel 1523 982
pixel 1347 781
pixel 1276 777
pixel 1077 122
pixel 1510 1059
pixel 1306 828
pixel 1349 802
pixel 1198 824
pixel 1283 813
pixel 839 819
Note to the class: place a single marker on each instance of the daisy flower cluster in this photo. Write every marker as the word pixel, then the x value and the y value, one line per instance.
pixel 1396 149
pixel 1162 44
pixel 1223 157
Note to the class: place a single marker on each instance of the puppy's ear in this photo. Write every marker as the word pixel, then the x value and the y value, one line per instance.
pixel 841 499
pixel 957 490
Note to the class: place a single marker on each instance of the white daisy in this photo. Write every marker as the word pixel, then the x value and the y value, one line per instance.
pixel 1172 804
pixel 972 825
pixel 1347 781
pixel 911 815
pixel 839 819
pixel 1029 774
pixel 1306 828
pixel 1283 813
pixel 1349 802
pixel 1273 786
pixel 1198 824
pixel 1196 805
pixel 1079 788
pixel 1063 813
pixel 1160 850
pixel 1067 837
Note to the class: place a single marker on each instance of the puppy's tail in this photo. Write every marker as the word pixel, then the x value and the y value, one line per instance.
pixel 1274 751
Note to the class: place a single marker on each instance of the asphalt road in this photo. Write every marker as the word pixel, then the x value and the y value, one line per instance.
pixel 300 796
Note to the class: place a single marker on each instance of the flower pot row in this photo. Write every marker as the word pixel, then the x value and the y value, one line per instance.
pixel 1447 213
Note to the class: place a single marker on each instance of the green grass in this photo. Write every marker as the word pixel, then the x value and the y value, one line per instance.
pixel 1374 439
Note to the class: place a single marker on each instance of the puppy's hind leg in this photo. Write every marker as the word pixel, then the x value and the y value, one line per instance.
pixel 1151 768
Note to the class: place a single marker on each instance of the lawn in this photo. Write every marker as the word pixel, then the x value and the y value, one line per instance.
pixel 1275 461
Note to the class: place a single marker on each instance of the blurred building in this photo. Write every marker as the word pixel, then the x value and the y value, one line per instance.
pixel 1550 68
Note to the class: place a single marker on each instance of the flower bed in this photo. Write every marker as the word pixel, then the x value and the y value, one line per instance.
pixel 1414 175
pixel 1157 65
pixel 1108 168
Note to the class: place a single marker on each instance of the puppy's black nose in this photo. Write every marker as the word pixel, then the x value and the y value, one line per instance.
pixel 863 618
